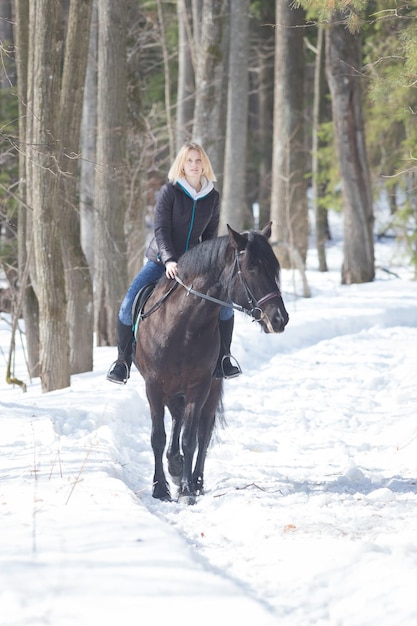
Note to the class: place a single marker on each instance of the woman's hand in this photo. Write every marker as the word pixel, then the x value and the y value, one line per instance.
pixel 171 269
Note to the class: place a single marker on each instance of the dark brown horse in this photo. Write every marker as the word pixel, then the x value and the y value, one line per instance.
pixel 178 345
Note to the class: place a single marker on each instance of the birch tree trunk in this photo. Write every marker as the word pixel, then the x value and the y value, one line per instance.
pixel 343 64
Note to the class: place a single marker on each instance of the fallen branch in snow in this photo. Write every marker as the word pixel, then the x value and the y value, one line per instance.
pixel 220 495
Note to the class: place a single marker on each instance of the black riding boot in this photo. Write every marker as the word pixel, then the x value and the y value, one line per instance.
pixel 119 371
pixel 224 367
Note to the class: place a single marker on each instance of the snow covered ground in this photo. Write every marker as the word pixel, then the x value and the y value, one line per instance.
pixel 310 512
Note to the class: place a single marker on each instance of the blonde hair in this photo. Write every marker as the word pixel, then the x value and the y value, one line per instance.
pixel 177 168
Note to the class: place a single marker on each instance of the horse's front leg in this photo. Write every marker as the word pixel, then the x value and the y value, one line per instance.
pixel 158 442
pixel 175 459
pixel 205 430
pixel 189 443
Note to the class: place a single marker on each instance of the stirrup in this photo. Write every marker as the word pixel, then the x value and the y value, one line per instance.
pixel 220 372
pixel 121 376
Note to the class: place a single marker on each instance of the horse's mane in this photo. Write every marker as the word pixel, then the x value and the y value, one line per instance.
pixel 203 258
pixel 211 255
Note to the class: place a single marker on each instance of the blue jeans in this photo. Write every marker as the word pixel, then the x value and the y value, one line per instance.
pixel 150 273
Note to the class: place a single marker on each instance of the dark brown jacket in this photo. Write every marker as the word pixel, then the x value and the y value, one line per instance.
pixel 181 222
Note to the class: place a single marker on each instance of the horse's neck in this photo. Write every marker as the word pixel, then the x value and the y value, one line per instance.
pixel 214 285
pixel 214 273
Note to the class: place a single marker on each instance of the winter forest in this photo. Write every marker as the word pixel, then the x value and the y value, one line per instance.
pixel 304 107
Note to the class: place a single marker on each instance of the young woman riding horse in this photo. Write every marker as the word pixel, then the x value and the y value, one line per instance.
pixel 186 213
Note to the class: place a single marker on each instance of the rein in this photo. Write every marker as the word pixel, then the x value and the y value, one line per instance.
pixel 256 312
pixel 204 296
pixel 158 304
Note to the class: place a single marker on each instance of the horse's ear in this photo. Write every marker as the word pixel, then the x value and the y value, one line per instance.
pixel 266 231
pixel 237 240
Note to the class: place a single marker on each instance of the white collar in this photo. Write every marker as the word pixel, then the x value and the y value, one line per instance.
pixel 206 187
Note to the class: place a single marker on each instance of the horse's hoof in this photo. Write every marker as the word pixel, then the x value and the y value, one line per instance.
pixel 165 497
pixel 161 492
pixel 175 468
pixel 186 495
pixel 188 499
pixel 198 487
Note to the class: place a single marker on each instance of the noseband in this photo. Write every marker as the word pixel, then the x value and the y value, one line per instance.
pixel 255 312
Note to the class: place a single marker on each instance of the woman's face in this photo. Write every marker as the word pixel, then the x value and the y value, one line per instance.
pixel 193 165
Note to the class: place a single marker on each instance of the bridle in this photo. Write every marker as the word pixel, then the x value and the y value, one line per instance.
pixel 255 311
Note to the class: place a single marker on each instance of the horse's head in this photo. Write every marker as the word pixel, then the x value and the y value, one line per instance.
pixel 257 279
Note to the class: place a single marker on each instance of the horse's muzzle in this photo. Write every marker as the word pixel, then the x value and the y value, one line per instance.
pixel 274 318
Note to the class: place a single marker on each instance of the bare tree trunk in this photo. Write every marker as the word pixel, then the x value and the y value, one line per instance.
pixel 25 240
pixel 135 216
pixel 8 219
pixel 197 8
pixel 235 210
pixel 186 85
pixel 322 233
pixel 50 286
pixel 7 70
pixel 210 110
pixel 77 274
pixel 167 81
pixel 343 63
pixel 110 245
pixel 139 148
pixel 289 211
pixel 261 117
pixel 88 146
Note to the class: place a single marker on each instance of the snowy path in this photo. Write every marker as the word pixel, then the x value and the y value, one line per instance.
pixel 309 517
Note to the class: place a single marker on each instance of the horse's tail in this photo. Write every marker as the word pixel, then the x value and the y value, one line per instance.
pixel 220 420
